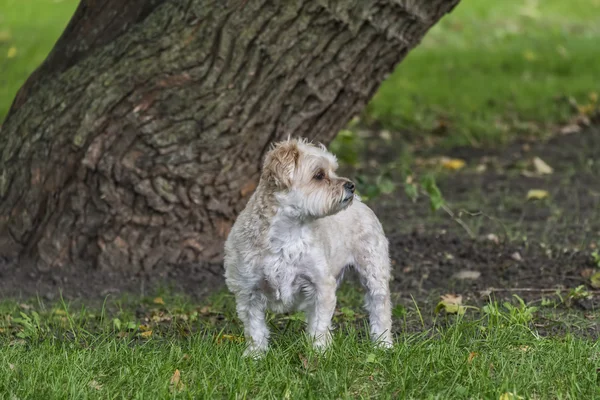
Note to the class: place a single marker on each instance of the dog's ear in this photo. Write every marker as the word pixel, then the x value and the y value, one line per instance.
pixel 280 163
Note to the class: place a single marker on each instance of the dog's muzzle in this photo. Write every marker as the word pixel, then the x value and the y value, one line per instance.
pixel 349 188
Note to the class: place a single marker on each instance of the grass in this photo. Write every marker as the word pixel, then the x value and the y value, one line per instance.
pixel 28 30
pixel 67 351
pixel 490 72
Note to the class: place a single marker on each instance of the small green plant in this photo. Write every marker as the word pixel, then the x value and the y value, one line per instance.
pixel 596 258
pixel 521 314
pixel 30 325
pixel 578 293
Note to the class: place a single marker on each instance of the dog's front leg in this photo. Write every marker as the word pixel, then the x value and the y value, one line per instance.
pixel 251 310
pixel 320 312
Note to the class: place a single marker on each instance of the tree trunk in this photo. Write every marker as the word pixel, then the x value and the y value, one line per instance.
pixel 140 137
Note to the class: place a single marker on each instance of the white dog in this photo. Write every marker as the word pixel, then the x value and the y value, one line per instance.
pixel 289 247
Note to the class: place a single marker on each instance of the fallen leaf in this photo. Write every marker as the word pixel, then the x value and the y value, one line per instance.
pixel 144 328
pixel 385 135
pixel 304 360
pixel 371 358
pixel 472 355
pixel 95 385
pixel 593 97
pixel 587 273
pixel 229 338
pixel 146 334
pixel 510 396
pixel 12 52
pixel 11 366
pixel 5 36
pixel 541 167
pixel 569 129
pixel 516 256
pixel 537 194
pixel 452 298
pixel 492 237
pixel 466 275
pixel 586 109
pixel 175 384
pixel 205 310
pixel 158 300
pixel 451 303
pixel 562 50
pixel 595 280
pixel 453 164
pixel 306 363
pixel 529 55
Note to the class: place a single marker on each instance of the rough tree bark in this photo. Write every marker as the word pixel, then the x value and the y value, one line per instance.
pixel 140 137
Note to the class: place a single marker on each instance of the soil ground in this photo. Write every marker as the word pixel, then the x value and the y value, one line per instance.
pixel 535 247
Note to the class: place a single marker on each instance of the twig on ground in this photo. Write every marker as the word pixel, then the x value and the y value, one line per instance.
pixel 458 220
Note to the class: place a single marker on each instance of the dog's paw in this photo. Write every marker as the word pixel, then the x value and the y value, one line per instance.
pixel 322 342
pixel 383 341
pixel 254 352
pixel 384 344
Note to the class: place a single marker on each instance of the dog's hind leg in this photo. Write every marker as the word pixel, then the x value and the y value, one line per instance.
pixel 251 309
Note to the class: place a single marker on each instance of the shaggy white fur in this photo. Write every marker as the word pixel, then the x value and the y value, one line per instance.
pixel 289 247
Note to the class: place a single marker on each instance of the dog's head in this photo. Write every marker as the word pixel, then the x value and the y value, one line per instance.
pixel 302 175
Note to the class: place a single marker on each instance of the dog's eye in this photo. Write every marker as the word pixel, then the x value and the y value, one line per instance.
pixel 320 176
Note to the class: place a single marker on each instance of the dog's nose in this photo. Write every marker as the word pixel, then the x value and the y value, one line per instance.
pixel 349 186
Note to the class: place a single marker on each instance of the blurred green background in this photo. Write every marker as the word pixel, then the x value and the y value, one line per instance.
pixel 488 72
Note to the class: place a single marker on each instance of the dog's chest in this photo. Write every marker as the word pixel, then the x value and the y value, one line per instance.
pixel 290 264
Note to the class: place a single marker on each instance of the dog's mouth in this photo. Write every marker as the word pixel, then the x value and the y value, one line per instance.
pixel 347 198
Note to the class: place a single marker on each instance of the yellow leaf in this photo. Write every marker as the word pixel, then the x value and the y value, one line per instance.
pixel 529 55
pixel 562 50
pixel 229 338
pixel 95 385
pixel 586 109
pixel 472 355
pixel 451 303
pixel 595 280
pixel 4 36
pixel 146 334
pixel 541 167
pixel 144 328
pixel 159 300
pixel 12 52
pixel 510 396
pixel 537 194
pixel 593 97
pixel 453 164
pixel 175 384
